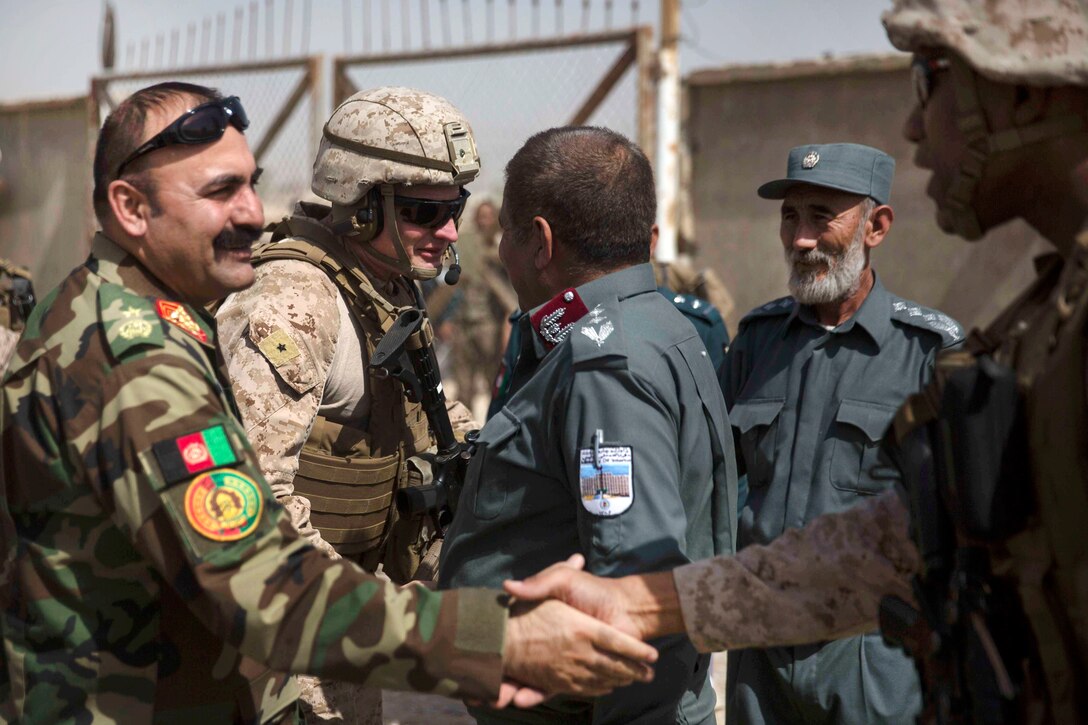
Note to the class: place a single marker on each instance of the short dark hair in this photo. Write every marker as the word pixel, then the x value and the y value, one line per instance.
pixel 123 131
pixel 594 186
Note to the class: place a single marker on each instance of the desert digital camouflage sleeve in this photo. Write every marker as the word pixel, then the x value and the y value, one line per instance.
pixel 821 582
pixel 278 340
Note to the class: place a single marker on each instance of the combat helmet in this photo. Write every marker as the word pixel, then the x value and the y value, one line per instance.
pixel 383 137
pixel 1020 42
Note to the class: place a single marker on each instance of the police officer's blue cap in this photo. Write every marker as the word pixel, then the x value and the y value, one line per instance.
pixel 844 166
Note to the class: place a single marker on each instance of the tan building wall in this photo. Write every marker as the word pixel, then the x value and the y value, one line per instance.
pixel 741 123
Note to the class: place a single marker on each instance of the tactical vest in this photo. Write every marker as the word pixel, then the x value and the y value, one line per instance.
pixel 1029 529
pixel 350 473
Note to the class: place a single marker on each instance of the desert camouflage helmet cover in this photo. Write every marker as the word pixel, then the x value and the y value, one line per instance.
pixel 393 135
pixel 1035 42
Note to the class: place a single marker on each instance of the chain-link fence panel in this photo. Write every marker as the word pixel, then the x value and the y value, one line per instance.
pixel 282 101
pixel 511 92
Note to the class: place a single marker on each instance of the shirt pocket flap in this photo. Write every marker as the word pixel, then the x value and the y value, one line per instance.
pixel 285 351
pixel 749 414
pixel 872 419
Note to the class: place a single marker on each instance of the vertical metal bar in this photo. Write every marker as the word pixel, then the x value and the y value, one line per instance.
pixel 220 33
pixel 405 27
pixel 667 167
pixel 160 44
pixel 175 40
pixel 647 101
pixel 558 17
pixel 512 16
pixel 130 55
pixel 269 27
pixel 288 15
pixel 608 14
pixel 634 13
pixel 307 17
pixel 205 39
pixel 345 20
pixel 466 23
pixel 190 43
pixel 366 12
pixel 490 21
pixel 145 49
pixel 254 24
pixel 387 31
pixel 536 18
pixel 236 42
pixel 585 16
pixel 444 7
pixel 425 23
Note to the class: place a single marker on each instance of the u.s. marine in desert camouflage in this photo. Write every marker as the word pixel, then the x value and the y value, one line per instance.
pixel 146 572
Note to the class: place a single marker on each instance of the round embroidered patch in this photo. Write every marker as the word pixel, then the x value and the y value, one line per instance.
pixel 223 505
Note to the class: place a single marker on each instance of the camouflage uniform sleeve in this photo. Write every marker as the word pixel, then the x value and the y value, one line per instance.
pixel 821 582
pixel 278 340
pixel 260 586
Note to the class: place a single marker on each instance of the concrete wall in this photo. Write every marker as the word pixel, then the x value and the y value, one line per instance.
pixel 45 187
pixel 742 121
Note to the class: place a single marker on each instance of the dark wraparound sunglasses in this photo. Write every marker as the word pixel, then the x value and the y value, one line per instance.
pixel 922 72
pixel 430 213
pixel 203 124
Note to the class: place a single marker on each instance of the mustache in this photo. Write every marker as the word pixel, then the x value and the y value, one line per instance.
pixel 241 237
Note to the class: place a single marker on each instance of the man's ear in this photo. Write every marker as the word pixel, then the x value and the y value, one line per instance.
pixel 654 234
pixel 131 207
pixel 543 243
pixel 881 219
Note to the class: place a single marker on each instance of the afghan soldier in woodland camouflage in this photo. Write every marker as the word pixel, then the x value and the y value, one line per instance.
pixel 147 572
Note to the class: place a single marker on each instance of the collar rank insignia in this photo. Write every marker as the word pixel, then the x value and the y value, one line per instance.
pixel 811 159
pixel 554 321
pixel 176 314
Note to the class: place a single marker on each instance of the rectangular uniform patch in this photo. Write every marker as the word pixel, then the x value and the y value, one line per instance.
pixel 183 457
pixel 605 479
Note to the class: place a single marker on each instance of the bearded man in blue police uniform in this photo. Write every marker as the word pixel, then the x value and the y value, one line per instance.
pixel 614 442
pixel 812 382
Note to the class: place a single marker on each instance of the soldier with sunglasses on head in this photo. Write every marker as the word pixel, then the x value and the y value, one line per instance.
pixel 335 441
pixel 147 573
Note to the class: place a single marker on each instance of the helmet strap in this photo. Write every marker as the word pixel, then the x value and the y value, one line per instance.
pixel 402 263
pixel 983 145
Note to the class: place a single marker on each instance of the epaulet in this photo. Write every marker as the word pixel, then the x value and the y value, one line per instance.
pixel 692 306
pixel 128 320
pixel 924 318
pixel 598 334
pixel 781 306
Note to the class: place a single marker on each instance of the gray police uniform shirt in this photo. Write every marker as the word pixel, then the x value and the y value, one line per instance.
pixel 809 407
pixel 614 444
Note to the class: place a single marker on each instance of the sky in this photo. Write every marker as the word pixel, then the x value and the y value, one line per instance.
pixel 55 47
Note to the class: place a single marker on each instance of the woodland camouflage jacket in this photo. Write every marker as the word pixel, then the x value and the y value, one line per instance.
pixel 145 567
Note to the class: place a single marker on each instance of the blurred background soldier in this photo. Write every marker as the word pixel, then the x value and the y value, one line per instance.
pixel 16 303
pixel 478 326
pixel 130 591
pixel 334 440
pixel 990 593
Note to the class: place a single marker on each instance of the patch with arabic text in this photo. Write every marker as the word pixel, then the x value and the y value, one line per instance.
pixel 181 457
pixel 605 480
pixel 223 505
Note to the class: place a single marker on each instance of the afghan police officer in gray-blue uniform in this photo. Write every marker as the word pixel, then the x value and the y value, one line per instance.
pixel 812 382
pixel 614 442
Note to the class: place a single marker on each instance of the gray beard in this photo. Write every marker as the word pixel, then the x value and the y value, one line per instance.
pixel 820 278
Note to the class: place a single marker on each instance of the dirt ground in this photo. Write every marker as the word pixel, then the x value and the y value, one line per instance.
pixel 407 708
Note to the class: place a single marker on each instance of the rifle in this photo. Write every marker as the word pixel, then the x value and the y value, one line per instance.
pixel 406 353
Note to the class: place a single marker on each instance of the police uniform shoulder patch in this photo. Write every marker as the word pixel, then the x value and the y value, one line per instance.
pixel 179 316
pixel 223 505
pixel 605 478
pixel 692 306
pixel 927 319
pixel 179 458
pixel 128 320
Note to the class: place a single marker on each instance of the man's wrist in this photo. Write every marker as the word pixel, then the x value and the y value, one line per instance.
pixel 653 604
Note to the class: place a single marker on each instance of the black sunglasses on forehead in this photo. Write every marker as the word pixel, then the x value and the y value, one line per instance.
pixel 430 213
pixel 203 124
pixel 922 72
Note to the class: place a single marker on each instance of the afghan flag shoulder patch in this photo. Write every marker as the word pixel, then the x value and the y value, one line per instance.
pixel 180 458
